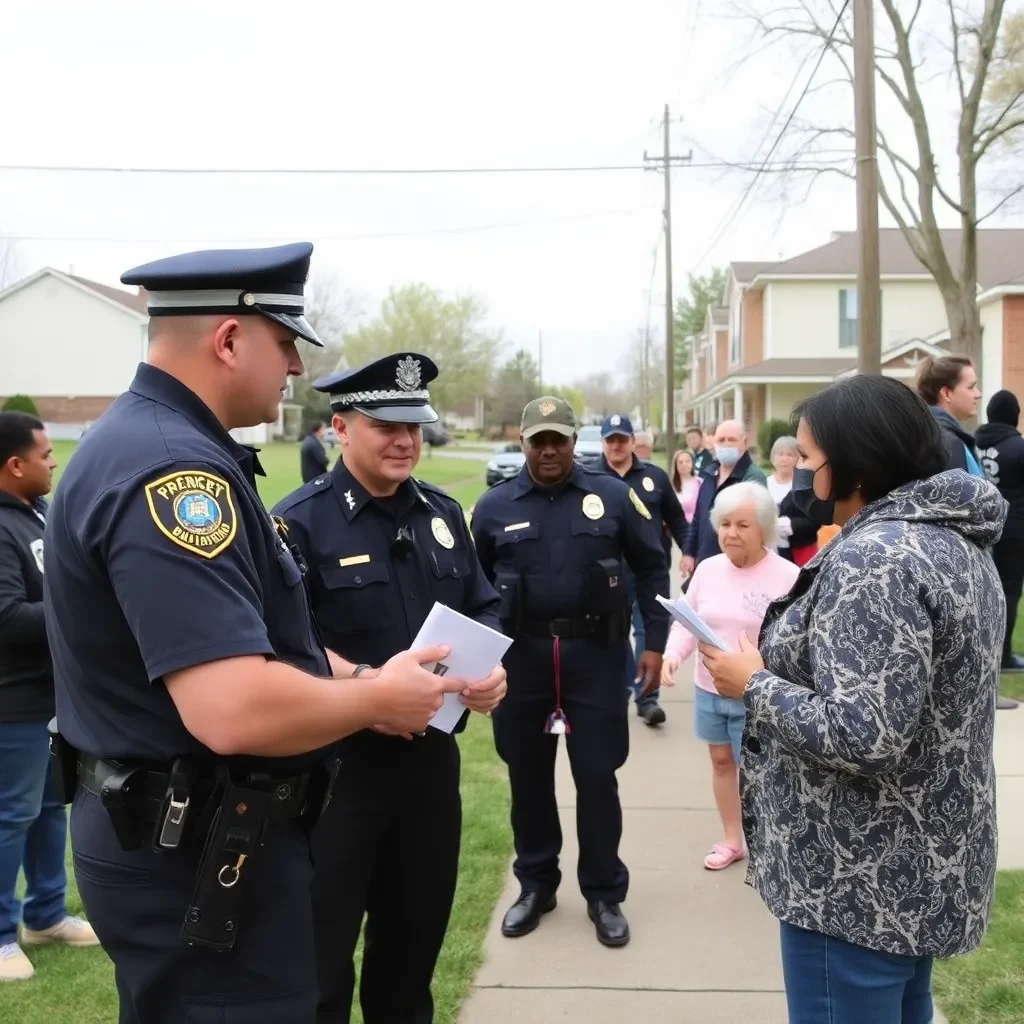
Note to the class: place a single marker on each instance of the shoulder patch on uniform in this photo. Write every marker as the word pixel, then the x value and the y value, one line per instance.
pixel 638 504
pixel 193 509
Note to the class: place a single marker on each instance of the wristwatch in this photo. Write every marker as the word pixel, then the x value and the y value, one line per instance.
pixel 358 669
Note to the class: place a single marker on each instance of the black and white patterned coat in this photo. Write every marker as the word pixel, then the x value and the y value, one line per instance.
pixel 867 781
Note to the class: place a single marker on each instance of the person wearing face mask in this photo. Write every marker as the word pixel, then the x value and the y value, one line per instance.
pixel 870 835
pixel 732 465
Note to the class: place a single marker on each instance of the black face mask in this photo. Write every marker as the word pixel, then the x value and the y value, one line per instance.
pixel 820 512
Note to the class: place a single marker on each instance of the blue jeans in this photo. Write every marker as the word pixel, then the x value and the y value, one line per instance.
pixel 632 686
pixel 829 981
pixel 33 831
pixel 718 720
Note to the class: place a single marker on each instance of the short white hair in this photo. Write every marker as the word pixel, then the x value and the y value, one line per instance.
pixel 785 444
pixel 756 495
pixel 643 435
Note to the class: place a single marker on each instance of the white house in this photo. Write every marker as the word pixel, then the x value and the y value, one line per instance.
pixel 73 346
pixel 788 329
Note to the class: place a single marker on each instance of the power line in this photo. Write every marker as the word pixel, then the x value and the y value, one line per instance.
pixel 789 120
pixel 326 171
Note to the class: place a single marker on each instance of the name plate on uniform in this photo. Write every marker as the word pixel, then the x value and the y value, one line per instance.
pixel 475 652
pixel 353 560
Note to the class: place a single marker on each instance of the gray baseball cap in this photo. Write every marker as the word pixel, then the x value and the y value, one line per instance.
pixel 548 413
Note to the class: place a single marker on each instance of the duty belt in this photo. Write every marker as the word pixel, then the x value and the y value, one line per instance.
pixel 567 629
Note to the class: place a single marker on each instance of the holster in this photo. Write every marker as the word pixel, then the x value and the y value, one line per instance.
pixel 63 763
pixel 237 832
pixel 510 587
pixel 606 596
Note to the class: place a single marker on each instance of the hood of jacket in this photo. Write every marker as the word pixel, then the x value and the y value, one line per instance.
pixel 991 434
pixel 967 504
pixel 947 422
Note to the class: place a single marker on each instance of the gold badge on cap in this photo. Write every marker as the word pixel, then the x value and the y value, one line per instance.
pixel 441 533
pixel 546 408
pixel 593 507
pixel 648 484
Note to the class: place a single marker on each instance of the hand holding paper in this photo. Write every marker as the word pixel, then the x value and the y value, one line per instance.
pixel 691 621
pixel 412 694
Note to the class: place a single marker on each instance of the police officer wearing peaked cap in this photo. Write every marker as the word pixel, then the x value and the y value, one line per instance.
pixel 555 542
pixel 653 486
pixel 381 548
pixel 196 718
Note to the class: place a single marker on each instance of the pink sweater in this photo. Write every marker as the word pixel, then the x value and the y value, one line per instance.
pixel 731 601
pixel 688 496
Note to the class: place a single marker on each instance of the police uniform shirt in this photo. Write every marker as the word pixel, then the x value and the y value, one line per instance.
pixel 377 565
pixel 653 486
pixel 312 458
pixel 159 556
pixel 551 538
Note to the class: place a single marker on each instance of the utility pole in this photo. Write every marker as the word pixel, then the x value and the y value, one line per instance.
pixel 540 361
pixel 869 305
pixel 666 161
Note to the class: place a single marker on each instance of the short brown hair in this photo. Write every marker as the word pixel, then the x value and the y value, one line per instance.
pixel 935 374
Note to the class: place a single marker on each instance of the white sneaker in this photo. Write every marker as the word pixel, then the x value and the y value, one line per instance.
pixel 72 931
pixel 14 965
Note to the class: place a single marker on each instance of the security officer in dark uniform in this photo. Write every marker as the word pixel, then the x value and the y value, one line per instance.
pixel 381 549
pixel 552 540
pixel 195 714
pixel 653 486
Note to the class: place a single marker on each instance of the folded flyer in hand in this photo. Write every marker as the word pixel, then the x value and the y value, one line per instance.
pixel 476 651
pixel 691 621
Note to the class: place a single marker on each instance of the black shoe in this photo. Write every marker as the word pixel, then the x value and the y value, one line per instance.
pixel 524 915
pixel 1014 663
pixel 1006 703
pixel 612 927
pixel 652 714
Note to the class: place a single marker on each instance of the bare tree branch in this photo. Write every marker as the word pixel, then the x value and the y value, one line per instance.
pixel 1002 202
pixel 956 50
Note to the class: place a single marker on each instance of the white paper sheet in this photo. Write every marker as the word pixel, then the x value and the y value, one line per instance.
pixel 690 620
pixel 475 652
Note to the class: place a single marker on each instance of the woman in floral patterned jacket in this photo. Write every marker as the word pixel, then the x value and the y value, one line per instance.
pixel 867 776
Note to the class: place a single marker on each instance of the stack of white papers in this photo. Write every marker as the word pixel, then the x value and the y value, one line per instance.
pixel 476 651
pixel 691 621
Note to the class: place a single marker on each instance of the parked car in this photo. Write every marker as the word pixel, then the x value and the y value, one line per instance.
pixel 435 435
pixel 505 465
pixel 588 445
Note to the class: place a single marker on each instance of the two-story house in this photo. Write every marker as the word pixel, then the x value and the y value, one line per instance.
pixel 785 330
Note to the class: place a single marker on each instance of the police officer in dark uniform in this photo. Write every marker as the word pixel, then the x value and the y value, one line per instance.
pixel 552 540
pixel 381 549
pixel 196 717
pixel 653 486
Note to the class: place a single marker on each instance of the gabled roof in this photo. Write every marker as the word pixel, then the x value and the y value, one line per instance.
pixel 127 302
pixel 1000 257
pixel 133 300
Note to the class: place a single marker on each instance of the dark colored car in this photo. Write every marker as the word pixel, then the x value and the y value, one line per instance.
pixel 505 465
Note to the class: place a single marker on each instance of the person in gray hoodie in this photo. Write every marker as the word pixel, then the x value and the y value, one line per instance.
pixel 867 778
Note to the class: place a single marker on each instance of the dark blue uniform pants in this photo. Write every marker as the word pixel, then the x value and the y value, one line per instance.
pixel 387 846
pixel 136 900
pixel 598 744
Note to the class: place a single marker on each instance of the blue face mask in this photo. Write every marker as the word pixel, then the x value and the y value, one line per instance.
pixel 727 454
pixel 819 512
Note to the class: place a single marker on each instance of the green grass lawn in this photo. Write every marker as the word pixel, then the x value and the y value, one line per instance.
pixel 987 986
pixel 78 985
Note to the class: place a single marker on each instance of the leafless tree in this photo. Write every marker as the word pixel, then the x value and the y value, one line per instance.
pixel 920 45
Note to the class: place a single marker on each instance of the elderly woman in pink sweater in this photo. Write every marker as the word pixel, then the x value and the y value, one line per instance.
pixel 731 593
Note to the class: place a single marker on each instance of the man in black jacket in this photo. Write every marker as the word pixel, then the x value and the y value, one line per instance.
pixel 312 457
pixel 33 825
pixel 1001 448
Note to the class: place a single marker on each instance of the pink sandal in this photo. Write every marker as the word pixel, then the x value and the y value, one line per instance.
pixel 721 856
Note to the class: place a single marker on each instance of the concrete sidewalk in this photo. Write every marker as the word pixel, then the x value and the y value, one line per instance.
pixel 703 949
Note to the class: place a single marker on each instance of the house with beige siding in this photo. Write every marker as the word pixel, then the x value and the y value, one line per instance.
pixel 787 329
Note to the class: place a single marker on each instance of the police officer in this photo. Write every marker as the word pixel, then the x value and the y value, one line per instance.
pixel 651 483
pixel 381 549
pixel 552 541
pixel 194 703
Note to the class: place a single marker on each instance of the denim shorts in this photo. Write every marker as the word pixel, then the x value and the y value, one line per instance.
pixel 718 720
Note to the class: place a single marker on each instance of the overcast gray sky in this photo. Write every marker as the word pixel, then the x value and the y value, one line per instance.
pixel 453 83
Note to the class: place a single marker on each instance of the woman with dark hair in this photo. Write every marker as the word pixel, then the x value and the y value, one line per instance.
pixel 867 775
pixel 950 387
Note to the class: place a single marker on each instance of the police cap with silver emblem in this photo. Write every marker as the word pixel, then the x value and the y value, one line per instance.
pixel 270 282
pixel 392 388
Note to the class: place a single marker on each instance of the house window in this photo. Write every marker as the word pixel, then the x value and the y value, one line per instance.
pixel 847 317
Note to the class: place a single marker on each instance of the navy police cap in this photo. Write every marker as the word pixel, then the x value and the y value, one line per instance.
pixel 242 281
pixel 392 388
